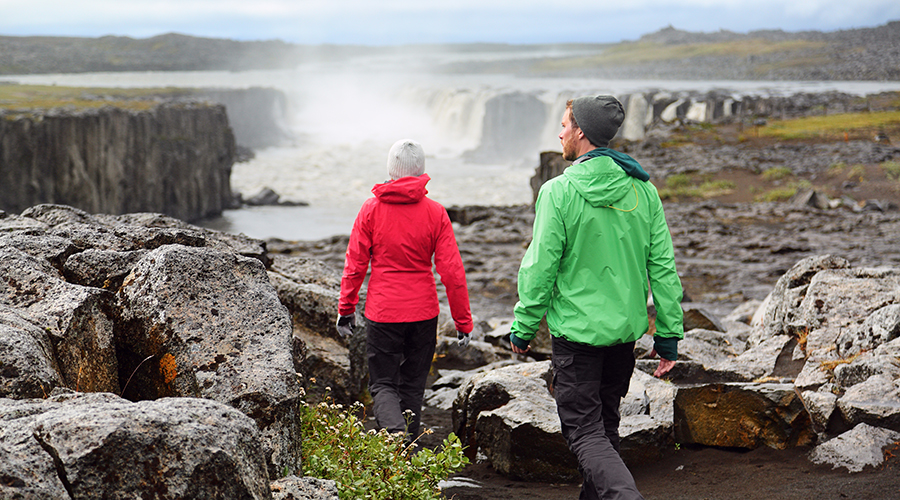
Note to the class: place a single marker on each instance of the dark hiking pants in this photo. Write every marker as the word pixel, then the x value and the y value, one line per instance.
pixel 399 356
pixel 588 385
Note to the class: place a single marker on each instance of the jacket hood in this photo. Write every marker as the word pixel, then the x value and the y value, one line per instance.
pixel 600 181
pixel 402 190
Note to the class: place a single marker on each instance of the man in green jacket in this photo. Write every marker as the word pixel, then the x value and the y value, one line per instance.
pixel 600 236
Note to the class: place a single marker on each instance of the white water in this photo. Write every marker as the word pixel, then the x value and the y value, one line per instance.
pixel 345 114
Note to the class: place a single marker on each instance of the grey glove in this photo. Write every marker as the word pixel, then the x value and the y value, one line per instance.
pixel 462 339
pixel 346 324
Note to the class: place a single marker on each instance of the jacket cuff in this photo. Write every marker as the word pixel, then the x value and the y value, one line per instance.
pixel 518 342
pixel 666 347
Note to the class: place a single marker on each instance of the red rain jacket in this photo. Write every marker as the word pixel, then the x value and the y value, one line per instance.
pixel 399 230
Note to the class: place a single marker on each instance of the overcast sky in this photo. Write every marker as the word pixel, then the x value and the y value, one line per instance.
pixel 393 22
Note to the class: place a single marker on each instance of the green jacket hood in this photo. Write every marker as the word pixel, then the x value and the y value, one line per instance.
pixel 600 181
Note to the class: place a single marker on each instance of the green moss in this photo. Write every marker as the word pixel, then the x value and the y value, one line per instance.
pixel 778 194
pixel 829 126
pixel 777 174
pixel 682 186
pixel 892 170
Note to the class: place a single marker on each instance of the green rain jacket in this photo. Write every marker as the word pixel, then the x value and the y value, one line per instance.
pixel 599 235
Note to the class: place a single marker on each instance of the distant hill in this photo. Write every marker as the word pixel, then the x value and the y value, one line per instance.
pixel 170 52
pixel 858 54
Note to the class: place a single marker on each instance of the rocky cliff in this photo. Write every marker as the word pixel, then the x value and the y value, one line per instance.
pixel 173 157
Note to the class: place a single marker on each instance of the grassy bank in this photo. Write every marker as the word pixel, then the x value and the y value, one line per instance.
pixel 20 98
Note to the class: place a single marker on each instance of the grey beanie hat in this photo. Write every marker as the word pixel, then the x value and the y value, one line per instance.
pixel 406 158
pixel 599 117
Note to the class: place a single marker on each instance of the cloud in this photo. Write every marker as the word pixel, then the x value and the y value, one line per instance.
pixel 414 21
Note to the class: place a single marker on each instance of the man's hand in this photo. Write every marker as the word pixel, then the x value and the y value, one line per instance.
pixel 664 365
pixel 346 324
pixel 517 350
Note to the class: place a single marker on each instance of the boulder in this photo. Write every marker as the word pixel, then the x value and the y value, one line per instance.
pixel 638 114
pixel 205 323
pixel 755 363
pixel 838 299
pixel 862 446
pixel 310 290
pixel 821 407
pixel 509 415
pixel 875 401
pixel 101 268
pixel 444 389
pixel 708 347
pixel 880 327
pixel 77 320
pixel 742 416
pixel 698 317
pixel 101 446
pixel 477 353
pixel 28 368
pixel 779 312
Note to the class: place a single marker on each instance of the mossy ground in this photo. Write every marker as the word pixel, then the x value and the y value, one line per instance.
pixel 879 181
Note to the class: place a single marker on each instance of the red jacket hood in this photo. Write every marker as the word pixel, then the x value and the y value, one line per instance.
pixel 402 190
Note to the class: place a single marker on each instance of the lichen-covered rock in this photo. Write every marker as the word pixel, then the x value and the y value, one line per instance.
pixel 27 366
pixel 310 290
pixel 855 449
pixel 742 416
pixel 204 323
pixel 85 446
pixel 876 401
pixel 77 320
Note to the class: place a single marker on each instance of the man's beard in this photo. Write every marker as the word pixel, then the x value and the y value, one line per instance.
pixel 569 153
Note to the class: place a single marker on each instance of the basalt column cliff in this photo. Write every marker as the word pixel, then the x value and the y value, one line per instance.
pixel 173 157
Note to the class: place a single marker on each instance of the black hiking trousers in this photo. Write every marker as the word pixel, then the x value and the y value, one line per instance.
pixel 588 385
pixel 399 356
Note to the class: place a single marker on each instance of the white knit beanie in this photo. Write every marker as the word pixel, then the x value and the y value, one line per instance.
pixel 406 158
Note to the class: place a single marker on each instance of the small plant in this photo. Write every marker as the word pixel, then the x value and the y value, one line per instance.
pixel 892 170
pixel 857 172
pixel 837 168
pixel 777 174
pixel 372 464
pixel 683 186
pixel 829 366
pixel 780 194
pixel 676 181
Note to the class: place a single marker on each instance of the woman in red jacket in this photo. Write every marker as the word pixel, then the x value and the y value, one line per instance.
pixel 399 231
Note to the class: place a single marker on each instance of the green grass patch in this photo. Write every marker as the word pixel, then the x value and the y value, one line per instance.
pixel 777 174
pixel 33 97
pixel 830 126
pixel 777 194
pixel 648 52
pixel 892 170
pixel 682 186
